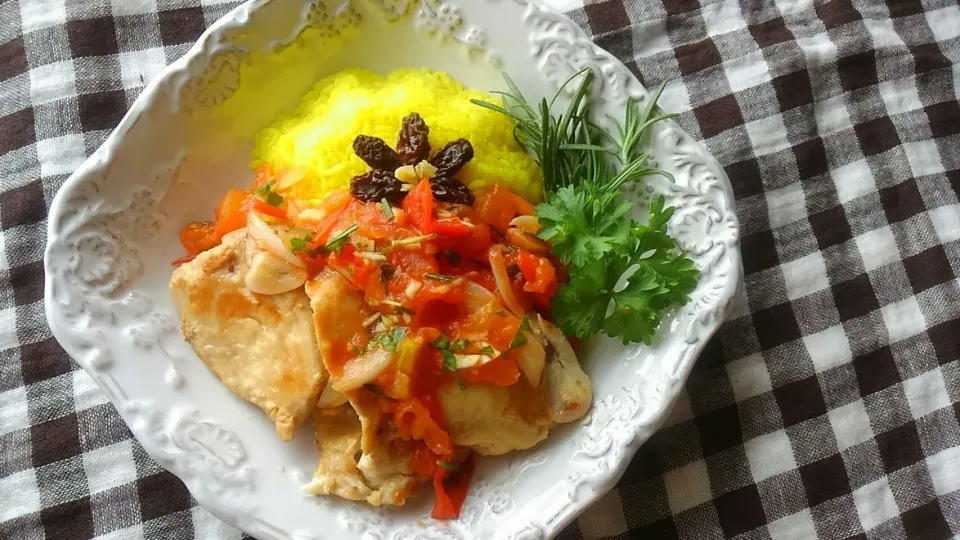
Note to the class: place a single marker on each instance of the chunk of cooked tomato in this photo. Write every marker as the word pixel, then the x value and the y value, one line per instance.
pixel 198 237
pixel 501 371
pixel 231 214
pixel 498 206
pixel 418 207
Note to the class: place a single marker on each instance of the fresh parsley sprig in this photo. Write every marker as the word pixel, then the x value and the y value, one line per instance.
pixel 623 274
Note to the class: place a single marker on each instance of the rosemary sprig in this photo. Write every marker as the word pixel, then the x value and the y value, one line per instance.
pixel 586 221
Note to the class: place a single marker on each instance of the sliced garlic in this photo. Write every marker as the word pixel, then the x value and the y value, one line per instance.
pixel 465 361
pixel 425 170
pixel 406 173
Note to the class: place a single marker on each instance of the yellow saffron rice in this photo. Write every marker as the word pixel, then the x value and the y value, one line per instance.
pixel 318 137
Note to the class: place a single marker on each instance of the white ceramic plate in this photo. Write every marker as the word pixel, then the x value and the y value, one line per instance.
pixel 113 232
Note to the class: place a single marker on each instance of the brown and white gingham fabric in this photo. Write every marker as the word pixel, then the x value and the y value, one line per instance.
pixel 826 407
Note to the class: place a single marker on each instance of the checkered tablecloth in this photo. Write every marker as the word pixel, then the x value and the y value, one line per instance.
pixel 826 407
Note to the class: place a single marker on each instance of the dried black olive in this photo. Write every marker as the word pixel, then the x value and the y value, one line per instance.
pixel 452 157
pixel 413 145
pixel 375 185
pixel 376 153
pixel 451 190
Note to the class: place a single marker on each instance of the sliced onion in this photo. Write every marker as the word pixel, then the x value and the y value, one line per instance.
pixel 568 387
pixel 476 296
pixel 291 177
pixel 269 240
pixel 502 279
pixel 363 369
pixel 331 397
pixel 531 358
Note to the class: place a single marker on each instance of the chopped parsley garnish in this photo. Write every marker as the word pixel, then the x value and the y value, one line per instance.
pixel 449 360
pixel 487 350
pixel 300 243
pixel 442 343
pixel 459 345
pixel 390 340
pixel 440 277
pixel 525 322
pixel 446 348
pixel 266 193
pixel 519 340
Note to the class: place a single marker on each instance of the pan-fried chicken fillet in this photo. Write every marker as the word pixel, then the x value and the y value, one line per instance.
pixel 381 474
pixel 338 313
pixel 263 347
pixel 494 420
pixel 361 458
pixel 568 387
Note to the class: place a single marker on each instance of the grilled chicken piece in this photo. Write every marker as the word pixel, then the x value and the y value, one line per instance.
pixel 568 387
pixel 381 475
pixel 361 458
pixel 263 347
pixel 338 313
pixel 337 432
pixel 494 420
pixel 385 458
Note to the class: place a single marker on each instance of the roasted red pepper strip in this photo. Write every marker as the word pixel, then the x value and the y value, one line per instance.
pixel 424 462
pixel 451 228
pixel 266 209
pixel 231 213
pixel 538 272
pixel 501 371
pixel 184 260
pixel 418 206
pixel 362 270
pixel 451 487
pixel 415 420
